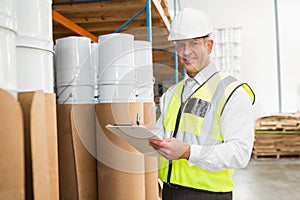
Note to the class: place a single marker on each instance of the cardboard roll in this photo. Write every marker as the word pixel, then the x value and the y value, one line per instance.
pixel 77 153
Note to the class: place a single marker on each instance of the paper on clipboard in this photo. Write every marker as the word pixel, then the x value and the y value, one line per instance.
pixel 137 136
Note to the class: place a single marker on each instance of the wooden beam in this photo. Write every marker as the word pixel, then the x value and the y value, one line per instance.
pixel 105 26
pixel 72 26
pixel 102 17
pixel 100 6
pixel 162 13
pixel 118 16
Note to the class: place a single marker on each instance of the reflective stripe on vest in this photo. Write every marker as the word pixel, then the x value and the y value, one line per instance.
pixel 200 124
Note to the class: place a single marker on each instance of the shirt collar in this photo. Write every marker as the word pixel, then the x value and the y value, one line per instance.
pixel 204 74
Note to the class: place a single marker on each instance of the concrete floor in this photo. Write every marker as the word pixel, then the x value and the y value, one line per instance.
pixel 265 180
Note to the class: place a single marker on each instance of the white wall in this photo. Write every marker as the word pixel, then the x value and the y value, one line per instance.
pixel 289 32
pixel 259 57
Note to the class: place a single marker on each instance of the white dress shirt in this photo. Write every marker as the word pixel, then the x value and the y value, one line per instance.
pixel 237 126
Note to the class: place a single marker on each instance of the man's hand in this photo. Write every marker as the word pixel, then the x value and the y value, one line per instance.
pixel 171 148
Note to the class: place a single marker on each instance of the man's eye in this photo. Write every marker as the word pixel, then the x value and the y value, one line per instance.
pixel 193 43
pixel 180 46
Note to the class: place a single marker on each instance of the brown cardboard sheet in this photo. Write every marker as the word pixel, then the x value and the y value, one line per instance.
pixel 67 170
pixel 12 166
pixel 149 115
pixel 77 164
pixel 151 163
pixel 151 178
pixel 84 141
pixel 120 167
pixel 36 145
pixel 50 105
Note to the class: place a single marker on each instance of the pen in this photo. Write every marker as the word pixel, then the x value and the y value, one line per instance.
pixel 137 119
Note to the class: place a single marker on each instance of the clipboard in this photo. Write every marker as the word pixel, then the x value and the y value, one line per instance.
pixel 136 136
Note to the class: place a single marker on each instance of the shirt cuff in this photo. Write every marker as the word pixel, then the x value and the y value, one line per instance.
pixel 198 155
pixel 194 157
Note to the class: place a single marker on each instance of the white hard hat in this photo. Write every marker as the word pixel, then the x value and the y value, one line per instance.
pixel 189 23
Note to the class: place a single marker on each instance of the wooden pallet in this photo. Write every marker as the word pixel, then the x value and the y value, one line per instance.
pixel 275 155
pixel 276 146
pixel 287 122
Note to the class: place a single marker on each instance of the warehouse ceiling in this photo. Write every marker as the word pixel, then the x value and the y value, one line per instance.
pixel 103 17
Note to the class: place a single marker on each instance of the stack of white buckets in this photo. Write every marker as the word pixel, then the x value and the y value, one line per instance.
pixel 144 71
pixel 95 69
pixel 117 69
pixel 35 46
pixel 125 69
pixel 74 78
pixel 8 28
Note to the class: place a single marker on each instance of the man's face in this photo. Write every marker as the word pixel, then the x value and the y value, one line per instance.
pixel 194 54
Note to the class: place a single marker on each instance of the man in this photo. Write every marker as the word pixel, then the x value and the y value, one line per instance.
pixel 206 119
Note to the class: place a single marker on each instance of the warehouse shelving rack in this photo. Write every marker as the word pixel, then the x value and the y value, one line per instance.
pixel 145 19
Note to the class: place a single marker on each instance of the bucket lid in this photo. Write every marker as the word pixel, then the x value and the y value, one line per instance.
pixel 102 38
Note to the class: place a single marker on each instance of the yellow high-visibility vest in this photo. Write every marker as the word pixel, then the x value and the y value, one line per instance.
pixel 199 124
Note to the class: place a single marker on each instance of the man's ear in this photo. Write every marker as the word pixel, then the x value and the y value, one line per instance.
pixel 210 44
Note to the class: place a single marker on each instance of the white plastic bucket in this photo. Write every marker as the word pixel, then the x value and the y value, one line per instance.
pixel 143 62
pixel 95 69
pixel 117 93
pixel 143 54
pixel 34 18
pixel 117 75
pixel 79 76
pixel 73 61
pixel 35 69
pixel 8 26
pixel 75 94
pixel 144 77
pixel 8 18
pixel 95 56
pixel 8 67
pixel 145 93
pixel 95 62
pixel 116 49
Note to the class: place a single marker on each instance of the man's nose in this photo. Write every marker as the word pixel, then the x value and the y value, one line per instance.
pixel 187 50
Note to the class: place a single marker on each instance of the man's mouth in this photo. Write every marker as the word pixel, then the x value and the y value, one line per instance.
pixel 188 60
